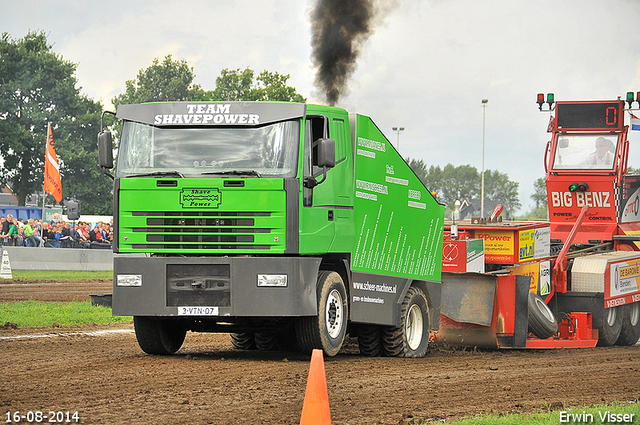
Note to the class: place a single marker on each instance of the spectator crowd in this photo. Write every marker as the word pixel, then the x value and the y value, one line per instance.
pixel 55 234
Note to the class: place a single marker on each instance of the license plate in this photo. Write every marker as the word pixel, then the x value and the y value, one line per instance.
pixel 198 311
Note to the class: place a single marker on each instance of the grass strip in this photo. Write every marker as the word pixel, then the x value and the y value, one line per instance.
pixel 39 313
pixel 619 412
pixel 34 276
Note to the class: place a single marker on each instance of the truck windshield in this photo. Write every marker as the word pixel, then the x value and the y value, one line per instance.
pixel 267 151
pixel 585 151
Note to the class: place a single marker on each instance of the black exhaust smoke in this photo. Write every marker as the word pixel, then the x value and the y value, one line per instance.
pixel 338 30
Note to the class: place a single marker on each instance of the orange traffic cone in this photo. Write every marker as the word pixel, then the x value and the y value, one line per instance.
pixel 315 410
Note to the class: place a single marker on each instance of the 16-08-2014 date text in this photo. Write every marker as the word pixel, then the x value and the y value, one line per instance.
pixel 42 416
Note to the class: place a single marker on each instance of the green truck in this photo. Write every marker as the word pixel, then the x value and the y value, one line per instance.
pixel 283 224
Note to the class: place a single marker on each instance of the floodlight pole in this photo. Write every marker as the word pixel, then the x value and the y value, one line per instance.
pixel 484 110
pixel 398 130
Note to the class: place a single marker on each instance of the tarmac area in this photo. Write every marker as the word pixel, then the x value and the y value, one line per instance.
pixel 101 373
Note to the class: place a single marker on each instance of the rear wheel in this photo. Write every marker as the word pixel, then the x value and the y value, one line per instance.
pixel 266 341
pixel 327 330
pixel 411 339
pixel 243 341
pixel 370 340
pixel 159 336
pixel 630 331
pixel 542 322
pixel 609 331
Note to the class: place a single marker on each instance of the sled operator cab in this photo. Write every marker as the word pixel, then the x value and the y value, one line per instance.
pixel 594 216
pixel 586 165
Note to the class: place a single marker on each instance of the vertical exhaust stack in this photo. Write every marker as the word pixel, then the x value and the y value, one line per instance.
pixel 339 28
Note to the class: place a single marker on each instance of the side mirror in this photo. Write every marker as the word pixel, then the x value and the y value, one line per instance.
pixel 327 153
pixel 105 150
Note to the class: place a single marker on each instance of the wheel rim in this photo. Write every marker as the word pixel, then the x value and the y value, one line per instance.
pixel 634 314
pixel 611 316
pixel 333 314
pixel 413 327
pixel 544 309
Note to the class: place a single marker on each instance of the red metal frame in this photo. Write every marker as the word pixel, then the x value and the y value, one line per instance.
pixel 575 331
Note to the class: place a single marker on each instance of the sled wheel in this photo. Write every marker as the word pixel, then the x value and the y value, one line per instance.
pixel 412 337
pixel 370 340
pixel 243 341
pixel 609 331
pixel 327 330
pixel 630 332
pixel 542 322
pixel 159 336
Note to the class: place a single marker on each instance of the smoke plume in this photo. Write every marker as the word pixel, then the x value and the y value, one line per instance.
pixel 339 28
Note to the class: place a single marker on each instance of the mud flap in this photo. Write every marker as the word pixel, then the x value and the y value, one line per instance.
pixel 468 297
pixel 484 310
pixel 467 309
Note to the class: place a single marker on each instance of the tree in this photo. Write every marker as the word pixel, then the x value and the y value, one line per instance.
pixel 539 195
pixel 419 167
pixel 540 211
pixel 498 187
pixel 83 179
pixel 234 85
pixel 38 87
pixel 453 183
pixel 167 81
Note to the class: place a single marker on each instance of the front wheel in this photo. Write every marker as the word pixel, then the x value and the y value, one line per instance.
pixel 327 330
pixel 159 336
pixel 411 339
pixel 630 331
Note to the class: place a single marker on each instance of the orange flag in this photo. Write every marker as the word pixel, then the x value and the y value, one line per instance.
pixel 52 182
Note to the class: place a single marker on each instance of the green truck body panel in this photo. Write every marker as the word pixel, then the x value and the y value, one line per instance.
pixel 399 223
pixel 212 228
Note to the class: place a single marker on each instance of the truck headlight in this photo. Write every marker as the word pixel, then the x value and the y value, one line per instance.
pixel 272 280
pixel 129 280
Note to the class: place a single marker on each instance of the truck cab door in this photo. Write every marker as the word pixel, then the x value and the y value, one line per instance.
pixel 327 208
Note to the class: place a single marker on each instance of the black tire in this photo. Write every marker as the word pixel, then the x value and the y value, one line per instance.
pixel 243 341
pixel 370 340
pixel 609 329
pixel 630 331
pixel 542 322
pixel 412 338
pixel 266 341
pixel 159 336
pixel 327 330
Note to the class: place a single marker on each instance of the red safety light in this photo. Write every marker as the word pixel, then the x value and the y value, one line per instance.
pixel 540 100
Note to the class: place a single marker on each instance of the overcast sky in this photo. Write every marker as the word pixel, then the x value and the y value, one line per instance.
pixel 426 67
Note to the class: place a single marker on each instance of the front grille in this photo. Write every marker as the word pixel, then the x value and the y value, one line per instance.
pixel 209 230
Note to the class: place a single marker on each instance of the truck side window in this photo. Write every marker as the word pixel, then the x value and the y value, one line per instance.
pixel 316 127
pixel 341 140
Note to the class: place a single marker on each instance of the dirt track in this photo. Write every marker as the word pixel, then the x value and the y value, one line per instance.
pixel 108 379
